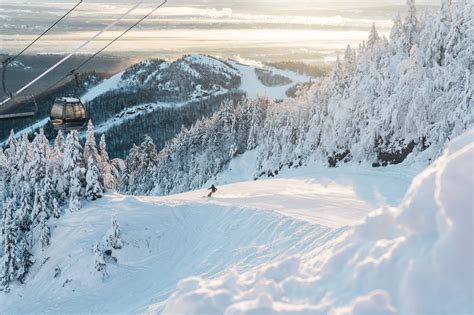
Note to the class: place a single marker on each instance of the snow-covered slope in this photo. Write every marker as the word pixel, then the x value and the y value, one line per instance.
pixel 273 246
pixel 414 259
pixel 148 73
pixel 254 87
pixel 104 87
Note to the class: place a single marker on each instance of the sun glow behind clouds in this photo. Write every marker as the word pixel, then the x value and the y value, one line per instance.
pixel 184 29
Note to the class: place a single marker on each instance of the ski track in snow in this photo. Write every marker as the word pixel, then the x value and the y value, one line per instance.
pixel 174 237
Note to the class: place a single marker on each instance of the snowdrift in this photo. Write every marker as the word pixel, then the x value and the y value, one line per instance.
pixel 414 259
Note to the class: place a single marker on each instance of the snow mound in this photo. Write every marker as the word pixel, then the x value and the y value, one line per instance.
pixel 414 259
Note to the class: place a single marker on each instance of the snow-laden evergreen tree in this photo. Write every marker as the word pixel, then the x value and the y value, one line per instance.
pixel 4 177
pixel 73 164
pixel 59 144
pixel 410 27
pixel 26 209
pixel 9 259
pixel 374 36
pixel 24 260
pixel 90 146
pixel 75 190
pixel 49 193
pixel 132 165
pixel 105 168
pixel 94 188
pixel 11 154
pixel 40 205
pixel 114 238
pixel 99 262
pixel 56 209
pixel 147 161
pixel 92 158
pixel 45 231
pixel 21 169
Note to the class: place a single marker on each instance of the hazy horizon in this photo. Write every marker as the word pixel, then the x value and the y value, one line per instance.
pixel 308 30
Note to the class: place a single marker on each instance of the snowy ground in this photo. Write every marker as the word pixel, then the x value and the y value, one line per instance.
pixel 170 238
pixel 286 245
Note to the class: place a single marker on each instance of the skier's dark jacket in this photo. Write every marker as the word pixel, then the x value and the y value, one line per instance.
pixel 213 188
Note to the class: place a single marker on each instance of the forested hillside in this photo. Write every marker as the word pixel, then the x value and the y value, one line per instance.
pixel 38 182
pixel 157 97
pixel 391 100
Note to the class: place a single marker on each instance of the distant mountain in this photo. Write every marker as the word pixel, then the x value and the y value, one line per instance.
pixel 157 97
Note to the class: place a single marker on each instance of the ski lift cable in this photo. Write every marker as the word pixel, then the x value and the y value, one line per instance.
pixel 9 60
pixel 74 52
pixel 74 71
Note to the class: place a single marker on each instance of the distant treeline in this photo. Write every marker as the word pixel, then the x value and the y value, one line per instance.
pixel 313 70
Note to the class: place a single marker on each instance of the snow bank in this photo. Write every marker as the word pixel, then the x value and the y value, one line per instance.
pixel 414 259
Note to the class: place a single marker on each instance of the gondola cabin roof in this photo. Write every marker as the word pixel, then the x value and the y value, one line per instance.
pixel 68 100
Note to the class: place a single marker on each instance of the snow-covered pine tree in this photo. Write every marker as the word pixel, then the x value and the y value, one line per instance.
pixel 90 146
pixel 21 170
pixel 99 262
pixel 114 239
pixel 106 169
pixel 48 193
pixel 374 37
pixel 43 143
pixel 56 208
pixel 59 143
pixel 73 164
pixel 92 158
pixel 147 158
pixel 75 190
pixel 26 209
pixel 4 178
pixel 350 63
pixel 9 259
pixel 11 151
pixel 25 260
pixel 39 205
pixel 132 165
pixel 411 27
pixel 94 189
pixel 45 231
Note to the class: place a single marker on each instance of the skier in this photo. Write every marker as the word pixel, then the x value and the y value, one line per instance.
pixel 213 189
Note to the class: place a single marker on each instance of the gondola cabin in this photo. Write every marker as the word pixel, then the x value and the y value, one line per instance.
pixel 68 113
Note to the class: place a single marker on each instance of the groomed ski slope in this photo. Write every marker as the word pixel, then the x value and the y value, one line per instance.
pixel 284 245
